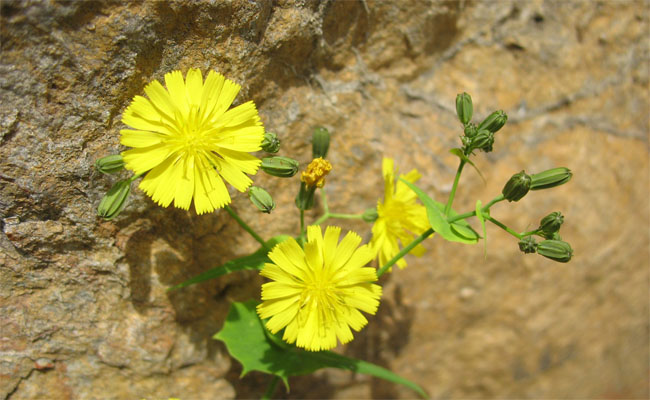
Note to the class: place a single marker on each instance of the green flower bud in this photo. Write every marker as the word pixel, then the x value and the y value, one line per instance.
pixel 110 164
pixel 550 178
pixel 464 108
pixel 528 245
pixel 517 187
pixel 551 223
pixel 370 215
pixel 470 130
pixel 555 250
pixel 271 143
pixel 305 197
pixel 320 142
pixel 494 121
pixel 261 199
pixel 115 200
pixel 483 140
pixel 283 167
pixel 555 236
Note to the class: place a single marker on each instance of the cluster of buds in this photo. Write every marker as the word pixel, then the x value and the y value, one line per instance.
pixel 552 247
pixel 479 137
pixel 278 166
pixel 521 183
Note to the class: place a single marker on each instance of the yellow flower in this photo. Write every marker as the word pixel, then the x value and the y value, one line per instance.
pixel 316 293
pixel 188 141
pixel 316 172
pixel 399 216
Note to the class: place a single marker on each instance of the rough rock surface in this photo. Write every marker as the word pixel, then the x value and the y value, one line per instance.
pixel 83 308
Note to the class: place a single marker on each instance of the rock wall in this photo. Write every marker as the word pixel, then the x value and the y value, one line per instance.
pixel 84 311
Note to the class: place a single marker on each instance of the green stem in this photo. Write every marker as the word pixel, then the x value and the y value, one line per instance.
pixel 322 219
pixel 529 233
pixel 404 251
pixel 326 208
pixel 504 227
pixel 271 388
pixel 473 213
pixel 345 216
pixel 246 227
pixel 134 177
pixel 302 223
pixel 453 188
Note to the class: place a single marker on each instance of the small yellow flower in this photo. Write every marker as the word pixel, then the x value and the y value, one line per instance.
pixel 399 216
pixel 316 293
pixel 315 173
pixel 188 142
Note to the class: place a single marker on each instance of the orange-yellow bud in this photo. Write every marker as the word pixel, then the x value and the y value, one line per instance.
pixel 316 172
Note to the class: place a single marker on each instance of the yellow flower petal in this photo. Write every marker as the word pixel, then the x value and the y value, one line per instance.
pixel 316 304
pixel 185 135
pixel 400 217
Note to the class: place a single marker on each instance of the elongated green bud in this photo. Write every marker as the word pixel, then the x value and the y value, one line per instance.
pixel 550 178
pixel 271 143
pixel 110 164
pixel 370 215
pixel 528 245
pixel 555 250
pixel 517 187
pixel 551 224
pixel 464 108
pixel 283 167
pixel 320 142
pixel 305 197
pixel 494 121
pixel 261 199
pixel 114 201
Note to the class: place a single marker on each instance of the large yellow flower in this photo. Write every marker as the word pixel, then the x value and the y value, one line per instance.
pixel 399 216
pixel 188 140
pixel 316 293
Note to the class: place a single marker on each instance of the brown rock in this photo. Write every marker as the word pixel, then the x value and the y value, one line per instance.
pixel 84 311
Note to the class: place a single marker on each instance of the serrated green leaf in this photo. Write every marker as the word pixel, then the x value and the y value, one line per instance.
pixel 459 153
pixel 481 219
pixel 250 343
pixel 252 261
pixel 458 231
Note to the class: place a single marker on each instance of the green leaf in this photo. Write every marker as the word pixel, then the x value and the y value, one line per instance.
pixel 459 153
pixel 250 343
pixel 458 231
pixel 252 261
pixel 481 219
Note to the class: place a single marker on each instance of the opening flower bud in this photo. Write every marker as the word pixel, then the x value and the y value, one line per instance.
pixel 261 199
pixel 316 172
pixel 283 167
pixel 370 215
pixel 271 143
pixel 528 245
pixel 114 201
pixel 494 121
pixel 551 178
pixel 320 142
pixel 464 108
pixel 555 250
pixel 110 164
pixel 551 223
pixel 517 187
